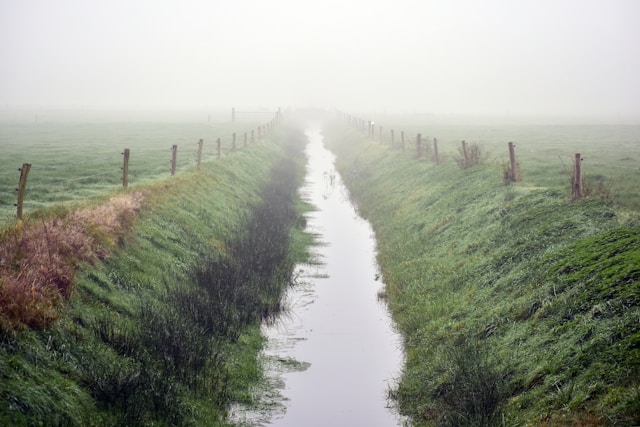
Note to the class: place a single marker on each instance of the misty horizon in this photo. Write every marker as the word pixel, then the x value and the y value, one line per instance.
pixel 545 60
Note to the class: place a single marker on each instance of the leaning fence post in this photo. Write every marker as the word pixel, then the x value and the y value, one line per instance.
pixel 218 143
pixel 436 158
pixel 577 179
pixel 199 152
pixel 125 168
pixel 465 153
pixel 512 160
pixel 174 158
pixel 22 186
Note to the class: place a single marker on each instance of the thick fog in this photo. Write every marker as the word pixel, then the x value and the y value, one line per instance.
pixel 491 57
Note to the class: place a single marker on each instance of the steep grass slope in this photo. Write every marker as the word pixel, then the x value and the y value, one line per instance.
pixel 163 327
pixel 517 305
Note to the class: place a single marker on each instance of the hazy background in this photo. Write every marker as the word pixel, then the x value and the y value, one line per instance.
pixel 563 58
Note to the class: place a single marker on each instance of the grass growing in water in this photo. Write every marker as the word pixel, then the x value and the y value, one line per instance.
pixel 511 290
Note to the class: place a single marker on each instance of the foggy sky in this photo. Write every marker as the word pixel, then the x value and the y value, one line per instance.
pixel 487 57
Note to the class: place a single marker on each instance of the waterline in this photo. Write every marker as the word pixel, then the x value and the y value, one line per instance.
pixel 333 357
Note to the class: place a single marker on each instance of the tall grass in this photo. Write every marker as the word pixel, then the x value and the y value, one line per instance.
pixel 513 289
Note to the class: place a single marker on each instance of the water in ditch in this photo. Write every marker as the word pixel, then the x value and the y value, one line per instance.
pixel 332 358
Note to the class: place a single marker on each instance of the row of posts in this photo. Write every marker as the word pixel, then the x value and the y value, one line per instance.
pixel 368 126
pixel 263 130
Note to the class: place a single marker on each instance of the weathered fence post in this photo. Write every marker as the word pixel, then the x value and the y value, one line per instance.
pixel 125 168
pixel 402 138
pixel 200 142
pixel 436 158
pixel 392 138
pixel 233 143
pixel 218 143
pixel 174 158
pixel 512 161
pixel 578 191
pixel 22 186
pixel 418 145
pixel 465 153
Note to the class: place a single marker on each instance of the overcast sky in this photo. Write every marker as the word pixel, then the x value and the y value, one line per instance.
pixel 502 57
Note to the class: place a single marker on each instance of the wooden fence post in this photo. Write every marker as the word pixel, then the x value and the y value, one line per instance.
pixel 418 145
pixel 465 153
pixel 392 138
pixel 200 142
pixel 512 161
pixel 233 144
pixel 125 168
pixel 578 191
pixel 174 158
pixel 22 186
pixel 436 158
pixel 402 138
pixel 218 143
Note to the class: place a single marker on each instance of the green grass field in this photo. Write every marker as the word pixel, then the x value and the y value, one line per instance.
pixel 518 306
pixel 75 161
pixel 545 152
pixel 161 327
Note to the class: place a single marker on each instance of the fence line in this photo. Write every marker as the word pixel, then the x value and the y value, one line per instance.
pixel 469 157
pixel 126 155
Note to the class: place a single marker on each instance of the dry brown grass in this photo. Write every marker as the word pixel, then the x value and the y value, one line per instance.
pixel 38 259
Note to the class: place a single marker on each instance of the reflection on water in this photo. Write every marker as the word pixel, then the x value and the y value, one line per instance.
pixel 332 359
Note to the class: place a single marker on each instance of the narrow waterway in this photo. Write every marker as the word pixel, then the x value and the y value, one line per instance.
pixel 333 357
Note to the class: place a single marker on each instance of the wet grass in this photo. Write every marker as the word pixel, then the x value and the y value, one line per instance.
pixel 165 331
pixel 517 305
pixel 74 161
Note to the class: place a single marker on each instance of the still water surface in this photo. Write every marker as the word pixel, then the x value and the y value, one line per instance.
pixel 333 357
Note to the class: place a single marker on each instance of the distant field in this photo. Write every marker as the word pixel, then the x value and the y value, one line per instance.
pixel 73 161
pixel 545 153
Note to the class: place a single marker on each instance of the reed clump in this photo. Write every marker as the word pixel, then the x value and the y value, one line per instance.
pixel 38 257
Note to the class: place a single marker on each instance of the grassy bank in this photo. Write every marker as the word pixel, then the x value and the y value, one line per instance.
pixel 161 327
pixel 517 305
